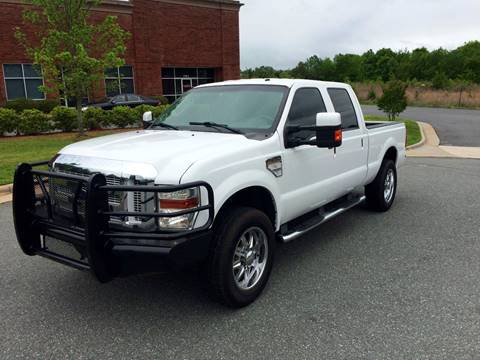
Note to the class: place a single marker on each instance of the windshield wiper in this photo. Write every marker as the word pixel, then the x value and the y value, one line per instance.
pixel 164 125
pixel 215 125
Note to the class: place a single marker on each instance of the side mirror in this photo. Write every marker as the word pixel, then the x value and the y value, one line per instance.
pixel 147 118
pixel 328 130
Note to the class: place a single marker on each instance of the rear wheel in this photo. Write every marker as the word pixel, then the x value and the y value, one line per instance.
pixel 242 257
pixel 381 192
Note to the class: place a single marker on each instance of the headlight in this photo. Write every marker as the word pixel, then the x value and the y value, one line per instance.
pixel 178 201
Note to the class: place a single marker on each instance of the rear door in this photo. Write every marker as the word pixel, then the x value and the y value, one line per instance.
pixel 351 158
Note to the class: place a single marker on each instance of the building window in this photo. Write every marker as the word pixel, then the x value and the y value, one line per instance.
pixel 119 81
pixel 22 81
pixel 177 81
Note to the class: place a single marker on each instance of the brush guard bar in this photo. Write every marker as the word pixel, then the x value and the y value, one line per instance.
pixel 91 233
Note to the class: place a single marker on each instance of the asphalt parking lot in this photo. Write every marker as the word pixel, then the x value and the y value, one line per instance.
pixel 457 127
pixel 404 284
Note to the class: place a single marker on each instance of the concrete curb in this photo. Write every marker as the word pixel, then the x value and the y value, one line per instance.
pixel 6 193
pixel 422 140
pixel 6 189
pixel 5 198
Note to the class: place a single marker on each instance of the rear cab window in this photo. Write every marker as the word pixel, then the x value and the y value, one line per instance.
pixel 342 103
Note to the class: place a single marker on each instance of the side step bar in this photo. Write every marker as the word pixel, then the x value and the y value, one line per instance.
pixel 305 227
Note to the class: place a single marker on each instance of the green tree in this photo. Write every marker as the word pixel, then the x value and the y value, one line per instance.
pixel 72 50
pixel 349 67
pixel 440 81
pixel 393 101
pixel 461 64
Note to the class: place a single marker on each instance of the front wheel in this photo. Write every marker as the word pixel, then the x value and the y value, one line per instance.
pixel 242 257
pixel 381 192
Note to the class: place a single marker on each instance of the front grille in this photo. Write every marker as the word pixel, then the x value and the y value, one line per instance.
pixel 137 201
pixel 63 193
pixel 114 197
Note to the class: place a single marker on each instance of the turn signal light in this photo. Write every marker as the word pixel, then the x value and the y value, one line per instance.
pixel 338 135
pixel 178 203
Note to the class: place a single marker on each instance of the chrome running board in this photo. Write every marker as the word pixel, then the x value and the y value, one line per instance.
pixel 303 228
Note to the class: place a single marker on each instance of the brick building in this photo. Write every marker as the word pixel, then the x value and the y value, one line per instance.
pixel 175 45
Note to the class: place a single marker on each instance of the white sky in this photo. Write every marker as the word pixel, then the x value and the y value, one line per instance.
pixel 281 33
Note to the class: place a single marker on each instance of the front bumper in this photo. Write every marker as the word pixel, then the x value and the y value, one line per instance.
pixel 85 238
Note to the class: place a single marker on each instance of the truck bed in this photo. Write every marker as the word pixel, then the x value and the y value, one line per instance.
pixel 377 124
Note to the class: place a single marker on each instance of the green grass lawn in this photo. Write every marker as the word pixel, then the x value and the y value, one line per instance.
pixel 15 150
pixel 413 130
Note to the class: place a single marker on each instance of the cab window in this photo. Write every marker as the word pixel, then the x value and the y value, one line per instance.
pixel 343 105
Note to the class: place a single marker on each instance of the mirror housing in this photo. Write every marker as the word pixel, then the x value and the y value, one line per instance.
pixel 328 130
pixel 147 118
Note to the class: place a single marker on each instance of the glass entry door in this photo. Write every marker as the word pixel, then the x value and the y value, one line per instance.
pixel 187 85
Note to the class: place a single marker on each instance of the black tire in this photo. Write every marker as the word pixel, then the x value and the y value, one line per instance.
pixel 376 198
pixel 227 233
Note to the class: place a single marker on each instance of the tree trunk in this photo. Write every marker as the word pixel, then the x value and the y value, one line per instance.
pixel 81 130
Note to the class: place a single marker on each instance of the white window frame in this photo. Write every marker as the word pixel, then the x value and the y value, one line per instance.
pixel 23 78
pixel 119 79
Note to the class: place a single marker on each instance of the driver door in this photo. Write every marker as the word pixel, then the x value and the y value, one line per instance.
pixel 308 180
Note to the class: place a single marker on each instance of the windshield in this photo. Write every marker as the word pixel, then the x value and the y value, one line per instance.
pixel 249 108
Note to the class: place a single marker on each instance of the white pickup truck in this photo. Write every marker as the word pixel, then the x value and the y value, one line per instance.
pixel 225 172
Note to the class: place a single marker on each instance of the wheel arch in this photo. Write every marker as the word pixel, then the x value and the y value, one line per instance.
pixel 256 196
pixel 391 154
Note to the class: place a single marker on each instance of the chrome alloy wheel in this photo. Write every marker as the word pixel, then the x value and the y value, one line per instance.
pixel 389 186
pixel 250 258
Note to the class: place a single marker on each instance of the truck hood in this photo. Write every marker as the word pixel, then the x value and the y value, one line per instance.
pixel 162 155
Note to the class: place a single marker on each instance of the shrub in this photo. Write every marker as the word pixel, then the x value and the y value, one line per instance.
pixel 158 110
pixel 46 106
pixel 163 100
pixel 440 81
pixel 8 120
pixel 144 108
pixel 64 118
pixel 19 105
pixel 371 95
pixel 393 101
pixel 123 116
pixel 33 121
pixel 95 118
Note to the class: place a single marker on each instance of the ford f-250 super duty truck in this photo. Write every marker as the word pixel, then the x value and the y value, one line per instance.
pixel 225 172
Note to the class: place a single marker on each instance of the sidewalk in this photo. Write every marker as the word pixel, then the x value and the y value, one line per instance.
pixel 432 147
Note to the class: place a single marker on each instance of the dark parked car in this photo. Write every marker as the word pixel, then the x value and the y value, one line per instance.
pixel 130 100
